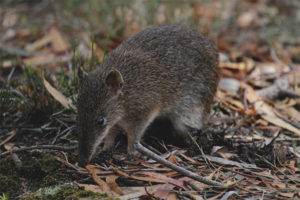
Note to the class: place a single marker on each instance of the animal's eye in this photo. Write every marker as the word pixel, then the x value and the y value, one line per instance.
pixel 101 121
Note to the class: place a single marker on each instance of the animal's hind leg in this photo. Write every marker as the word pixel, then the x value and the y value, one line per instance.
pixel 179 126
pixel 181 130
pixel 186 120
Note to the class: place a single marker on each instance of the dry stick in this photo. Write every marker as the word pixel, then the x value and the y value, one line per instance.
pixel 181 170
pixel 52 147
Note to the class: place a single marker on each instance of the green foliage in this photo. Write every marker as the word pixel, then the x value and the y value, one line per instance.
pixel 9 186
pixel 4 197
pixel 64 193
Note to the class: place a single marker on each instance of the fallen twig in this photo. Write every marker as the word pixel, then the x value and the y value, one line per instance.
pixel 53 147
pixel 280 88
pixel 181 170
pixel 17 51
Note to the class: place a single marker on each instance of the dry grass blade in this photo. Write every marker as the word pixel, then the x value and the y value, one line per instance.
pixel 58 96
pixel 12 134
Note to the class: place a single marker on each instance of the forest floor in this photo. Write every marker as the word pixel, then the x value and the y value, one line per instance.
pixel 251 143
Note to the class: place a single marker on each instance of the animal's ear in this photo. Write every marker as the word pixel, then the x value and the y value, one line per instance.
pixel 81 74
pixel 114 81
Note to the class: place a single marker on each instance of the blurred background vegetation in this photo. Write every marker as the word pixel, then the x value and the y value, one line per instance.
pixel 271 20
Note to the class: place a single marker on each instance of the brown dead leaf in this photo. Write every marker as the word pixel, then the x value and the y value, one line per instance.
pixel 292 112
pixel 163 191
pixel 10 146
pixel 247 18
pixel 135 192
pixel 151 177
pixel 104 187
pixel 59 44
pixel 278 184
pixel 132 192
pixel 57 95
pixel 226 155
pixel 7 63
pixel 172 196
pixel 265 174
pixel 236 103
pixel 172 158
pixel 242 66
pixel 287 195
pixel 266 111
pixel 188 158
pixel 111 182
pixel 38 44
pixel 11 135
pixel 162 178
pixel 45 59
pixel 262 122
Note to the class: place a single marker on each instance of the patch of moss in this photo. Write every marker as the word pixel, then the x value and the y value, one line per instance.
pixel 37 165
pixel 56 177
pixel 69 193
pixel 38 170
pixel 9 185
pixel 7 167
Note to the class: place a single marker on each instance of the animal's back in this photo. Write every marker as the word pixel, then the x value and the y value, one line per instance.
pixel 166 65
pixel 168 61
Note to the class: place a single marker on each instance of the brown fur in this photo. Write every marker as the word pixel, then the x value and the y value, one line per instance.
pixel 163 71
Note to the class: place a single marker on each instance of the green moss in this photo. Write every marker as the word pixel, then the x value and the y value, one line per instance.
pixel 38 169
pixel 37 165
pixel 9 185
pixel 7 167
pixel 60 193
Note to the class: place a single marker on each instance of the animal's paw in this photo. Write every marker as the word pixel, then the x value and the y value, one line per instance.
pixel 132 152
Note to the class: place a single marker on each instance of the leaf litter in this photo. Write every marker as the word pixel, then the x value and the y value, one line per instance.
pixel 251 143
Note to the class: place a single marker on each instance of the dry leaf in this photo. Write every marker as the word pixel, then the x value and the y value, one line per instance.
pixel 111 182
pixel 38 44
pixel 150 176
pixel 265 174
pixel 247 18
pixel 104 187
pixel 11 135
pixel 45 59
pixel 172 196
pixel 172 158
pixel 266 111
pixel 58 96
pixel 59 44
pixel 163 191
pixel 10 146
pixel 237 66
pixel 287 195
pixel 135 192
